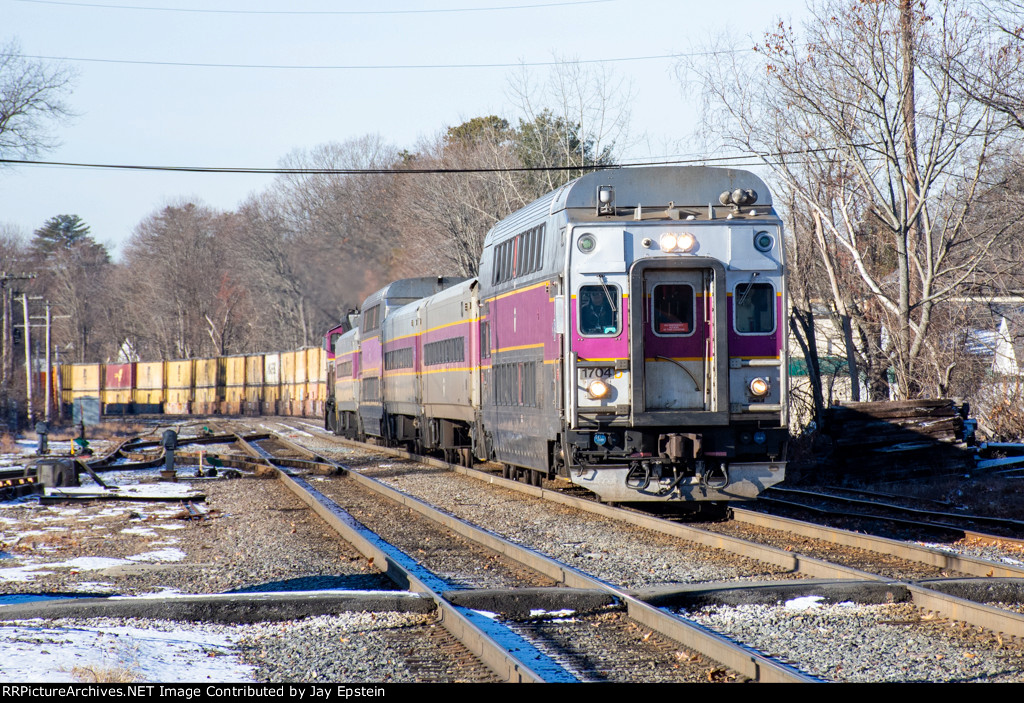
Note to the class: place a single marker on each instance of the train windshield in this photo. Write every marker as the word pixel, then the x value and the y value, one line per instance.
pixel 754 308
pixel 599 310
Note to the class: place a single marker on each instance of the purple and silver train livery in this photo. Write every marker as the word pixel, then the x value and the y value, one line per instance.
pixel 625 334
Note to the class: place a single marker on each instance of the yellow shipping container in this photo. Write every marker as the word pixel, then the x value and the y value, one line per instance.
pixel 316 364
pixel 149 387
pixel 234 384
pixel 287 368
pixel 85 380
pixel 179 375
pixel 65 375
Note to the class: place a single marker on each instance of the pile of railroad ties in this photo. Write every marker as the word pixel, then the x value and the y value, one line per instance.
pixel 915 438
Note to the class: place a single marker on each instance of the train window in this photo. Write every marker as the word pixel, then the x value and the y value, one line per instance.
pixel 519 256
pixel 371 319
pixel 598 310
pixel 371 388
pixel 398 359
pixel 754 308
pixel 485 339
pixel 344 369
pixel 672 309
pixel 538 249
pixel 445 351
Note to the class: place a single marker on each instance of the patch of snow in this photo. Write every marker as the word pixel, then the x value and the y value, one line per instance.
pixel 564 612
pixel 804 603
pixel 141 531
pixel 37 654
pixel 89 563
pixel 170 554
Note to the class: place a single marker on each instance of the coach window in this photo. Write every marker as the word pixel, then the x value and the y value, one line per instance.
pixel 672 309
pixel 754 308
pixel 598 310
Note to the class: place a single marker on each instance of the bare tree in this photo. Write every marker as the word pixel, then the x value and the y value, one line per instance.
pixel 32 95
pixel 860 122
pixel 185 298
pixel 315 244
pixel 995 76
pixel 448 213
pixel 574 115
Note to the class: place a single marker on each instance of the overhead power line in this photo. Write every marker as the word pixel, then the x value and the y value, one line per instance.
pixel 452 10
pixel 396 171
pixel 375 67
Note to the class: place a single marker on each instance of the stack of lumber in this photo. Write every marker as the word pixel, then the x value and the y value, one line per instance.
pixel 898 438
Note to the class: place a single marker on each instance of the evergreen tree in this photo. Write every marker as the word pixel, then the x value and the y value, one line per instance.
pixel 60 232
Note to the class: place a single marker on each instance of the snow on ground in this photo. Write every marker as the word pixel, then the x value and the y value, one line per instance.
pixel 157 651
pixel 40 651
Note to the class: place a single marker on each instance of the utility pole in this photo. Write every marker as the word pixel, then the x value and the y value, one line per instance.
pixel 28 360
pixel 49 368
pixel 7 346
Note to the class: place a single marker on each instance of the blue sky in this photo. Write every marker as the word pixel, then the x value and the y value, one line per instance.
pixel 252 117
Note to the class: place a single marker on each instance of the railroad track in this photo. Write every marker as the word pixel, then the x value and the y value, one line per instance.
pixel 567 647
pixel 930 517
pixel 642 618
pixel 904 565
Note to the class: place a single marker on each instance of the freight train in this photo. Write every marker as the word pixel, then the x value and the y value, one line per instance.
pixel 624 333
pixel 279 383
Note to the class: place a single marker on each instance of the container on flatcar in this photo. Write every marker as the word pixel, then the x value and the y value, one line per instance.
pixel 234 384
pixel 291 393
pixel 179 375
pixel 149 387
pixel 65 377
pixel 86 387
pixel 118 385
pixel 209 386
pixel 272 383
pixel 253 385
pixel 316 382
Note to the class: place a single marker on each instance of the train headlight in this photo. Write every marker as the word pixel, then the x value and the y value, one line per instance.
pixel 759 387
pixel 598 389
pixel 677 242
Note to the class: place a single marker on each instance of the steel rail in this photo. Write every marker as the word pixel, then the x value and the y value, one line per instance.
pixel 463 624
pixel 738 657
pixel 895 508
pixel 973 566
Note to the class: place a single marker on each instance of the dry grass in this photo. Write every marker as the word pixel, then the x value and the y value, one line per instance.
pixel 50 540
pixel 104 430
pixel 97 674
pixel 8 445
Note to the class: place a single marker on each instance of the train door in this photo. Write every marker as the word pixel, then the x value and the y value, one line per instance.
pixel 677 340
